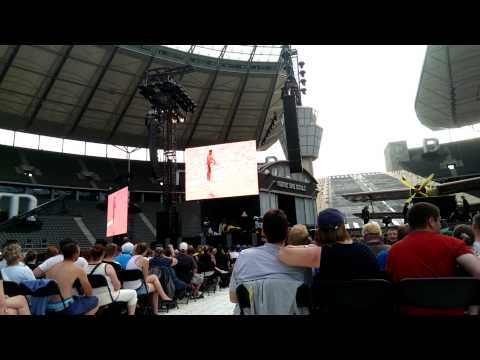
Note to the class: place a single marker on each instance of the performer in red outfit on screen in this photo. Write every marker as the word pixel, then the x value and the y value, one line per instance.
pixel 210 161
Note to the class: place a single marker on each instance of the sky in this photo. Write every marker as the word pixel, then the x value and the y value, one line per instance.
pixel 365 98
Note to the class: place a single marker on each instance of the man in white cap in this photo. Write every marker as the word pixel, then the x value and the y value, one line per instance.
pixel 124 257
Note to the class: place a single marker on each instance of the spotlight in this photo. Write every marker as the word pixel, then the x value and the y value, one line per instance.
pixel 451 166
pixel 304 91
pixel 161 183
pixel 303 81
pixel 302 73
pixel 301 64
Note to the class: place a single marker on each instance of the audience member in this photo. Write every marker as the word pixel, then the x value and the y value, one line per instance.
pixel 15 305
pixel 111 250
pixel 41 269
pixel 3 262
pixel 298 235
pixel 31 259
pixel 98 267
pixel 341 258
pixel 476 230
pixel 373 238
pixel 65 274
pixel 187 268
pixel 262 262
pixel 14 271
pixel 52 251
pixel 124 258
pixel 140 262
pixel 392 235
pixel 424 252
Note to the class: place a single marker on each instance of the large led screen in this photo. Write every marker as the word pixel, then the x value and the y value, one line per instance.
pixel 117 213
pixel 219 171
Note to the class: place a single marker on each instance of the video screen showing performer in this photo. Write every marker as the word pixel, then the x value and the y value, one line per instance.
pixel 219 171
pixel 210 161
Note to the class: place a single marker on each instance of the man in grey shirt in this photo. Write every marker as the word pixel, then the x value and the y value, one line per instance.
pixel 262 262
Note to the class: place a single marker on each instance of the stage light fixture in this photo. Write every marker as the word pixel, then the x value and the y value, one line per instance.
pixel 304 91
pixel 303 82
pixel 451 166
pixel 301 64
pixel 302 73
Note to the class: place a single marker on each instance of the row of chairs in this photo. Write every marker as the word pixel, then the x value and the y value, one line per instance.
pixel 378 296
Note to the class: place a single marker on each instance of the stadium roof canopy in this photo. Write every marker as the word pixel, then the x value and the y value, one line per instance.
pixel 449 90
pixel 89 92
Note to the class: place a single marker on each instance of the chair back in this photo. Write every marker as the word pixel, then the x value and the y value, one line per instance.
pixel 357 296
pixel 447 292
pixel 133 275
pixel 11 289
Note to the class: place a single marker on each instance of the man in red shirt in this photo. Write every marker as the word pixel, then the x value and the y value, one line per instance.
pixel 424 252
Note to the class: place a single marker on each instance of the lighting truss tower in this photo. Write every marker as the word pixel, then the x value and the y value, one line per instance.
pixel 169 105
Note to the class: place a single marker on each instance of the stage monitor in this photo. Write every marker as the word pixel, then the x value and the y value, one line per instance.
pixel 117 213
pixel 219 171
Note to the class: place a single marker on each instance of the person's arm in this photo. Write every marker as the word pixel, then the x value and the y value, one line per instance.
pixel 174 261
pixel 82 277
pixel 233 289
pixel 38 272
pixel 145 265
pixel 300 256
pixel 470 263
pixel 3 303
pixel 113 277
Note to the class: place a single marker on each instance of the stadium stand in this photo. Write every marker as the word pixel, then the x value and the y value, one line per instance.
pixel 344 184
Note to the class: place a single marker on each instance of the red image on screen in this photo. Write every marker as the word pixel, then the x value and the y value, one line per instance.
pixel 117 213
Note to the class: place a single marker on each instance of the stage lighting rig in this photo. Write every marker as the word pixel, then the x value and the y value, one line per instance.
pixel 170 104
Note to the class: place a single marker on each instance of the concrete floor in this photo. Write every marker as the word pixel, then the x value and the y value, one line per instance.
pixel 213 304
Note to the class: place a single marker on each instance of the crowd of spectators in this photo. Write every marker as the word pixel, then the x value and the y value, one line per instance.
pixel 416 250
pixel 167 276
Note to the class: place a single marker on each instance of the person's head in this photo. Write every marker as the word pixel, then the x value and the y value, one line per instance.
pixel 9 242
pixel 97 252
pixel 191 250
pixel 149 252
pixel 298 235
pixel 210 152
pixel 464 233
pixel 12 254
pixel 141 248
pixel 275 226
pixel 52 250
pixel 30 257
pixel 168 252
pixel 371 231
pixel 70 250
pixel 159 251
pixel 111 250
pixel 392 234
pixel 424 216
pixel 476 226
pixel 102 242
pixel 183 247
pixel 331 227
pixel 127 248
pixel 85 254
pixel 403 231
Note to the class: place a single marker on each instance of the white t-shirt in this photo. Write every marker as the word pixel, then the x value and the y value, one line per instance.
pixel 17 273
pixel 3 264
pixel 54 260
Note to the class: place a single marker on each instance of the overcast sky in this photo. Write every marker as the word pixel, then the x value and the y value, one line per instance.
pixel 365 98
